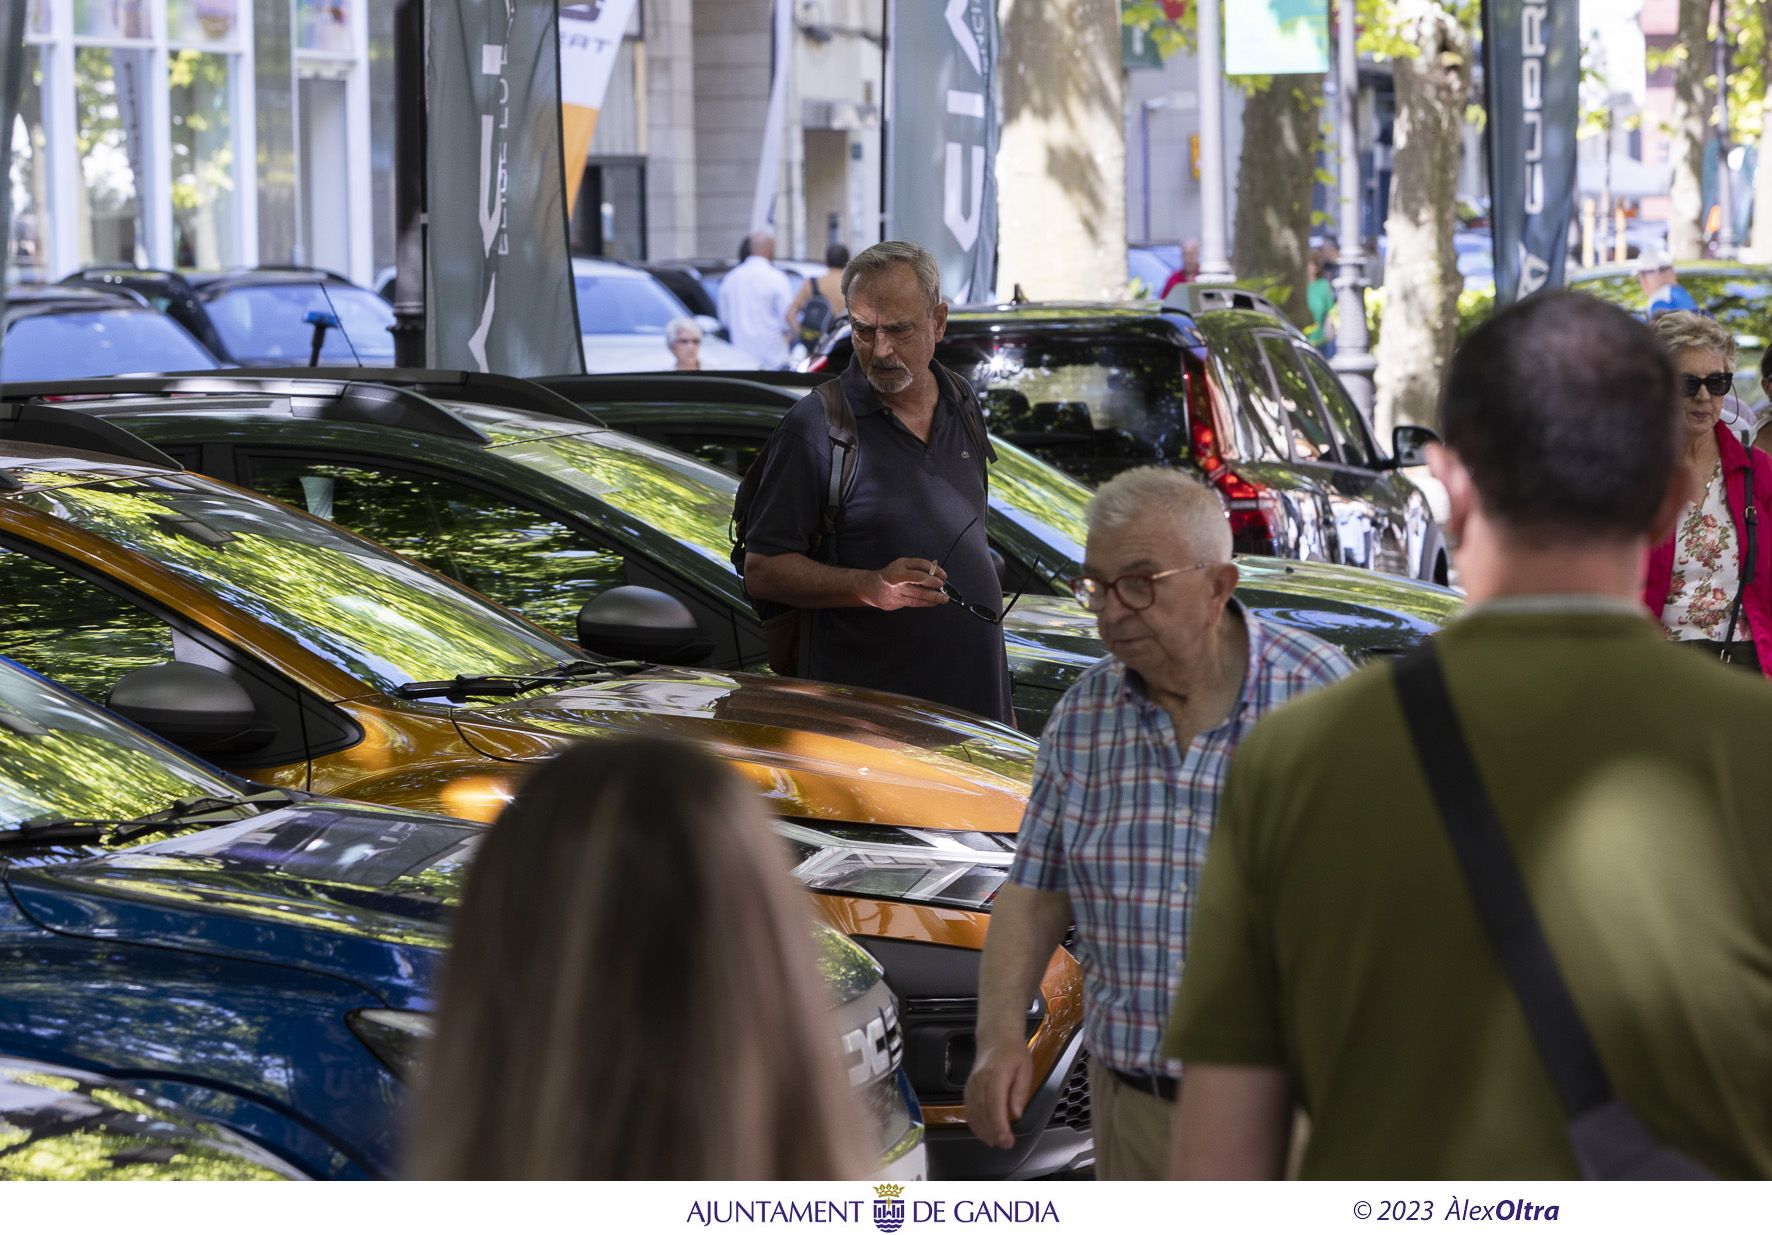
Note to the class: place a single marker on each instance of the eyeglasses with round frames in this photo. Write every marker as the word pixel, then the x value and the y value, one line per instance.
pixel 1137 591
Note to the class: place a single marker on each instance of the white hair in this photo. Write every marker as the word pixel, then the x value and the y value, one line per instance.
pixel 889 253
pixel 1173 494
pixel 682 328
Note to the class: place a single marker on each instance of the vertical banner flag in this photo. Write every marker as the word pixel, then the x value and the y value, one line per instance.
pixel 1274 37
pixel 590 36
pixel 12 74
pixel 944 118
pixel 1532 54
pixel 498 275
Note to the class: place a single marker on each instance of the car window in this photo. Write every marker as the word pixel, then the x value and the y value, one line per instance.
pixel 525 561
pixel 60 759
pixel 1260 425
pixel 44 347
pixel 624 305
pixel 732 453
pixel 70 629
pixel 268 324
pixel 1309 435
pixel 355 604
pixel 1090 404
pixel 1345 421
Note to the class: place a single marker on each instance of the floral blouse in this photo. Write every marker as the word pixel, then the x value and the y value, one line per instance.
pixel 1707 570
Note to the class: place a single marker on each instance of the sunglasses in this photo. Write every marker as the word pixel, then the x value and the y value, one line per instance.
pixel 1718 384
pixel 983 613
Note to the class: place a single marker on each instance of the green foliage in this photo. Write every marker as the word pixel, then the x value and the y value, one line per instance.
pixel 1381 26
pixel 1148 16
pixel 1474 308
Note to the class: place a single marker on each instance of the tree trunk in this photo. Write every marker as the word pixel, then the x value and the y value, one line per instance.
pixel 1061 163
pixel 1761 248
pixel 1275 176
pixel 1421 271
pixel 1691 119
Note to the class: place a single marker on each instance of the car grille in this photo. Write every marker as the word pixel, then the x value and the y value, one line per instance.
pixel 1072 1110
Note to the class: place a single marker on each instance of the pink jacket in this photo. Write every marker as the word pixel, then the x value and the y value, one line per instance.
pixel 1756 606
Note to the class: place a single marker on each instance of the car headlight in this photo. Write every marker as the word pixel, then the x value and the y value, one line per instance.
pixel 398 1039
pixel 961 869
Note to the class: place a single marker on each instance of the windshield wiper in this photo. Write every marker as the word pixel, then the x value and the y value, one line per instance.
pixel 190 810
pixel 488 685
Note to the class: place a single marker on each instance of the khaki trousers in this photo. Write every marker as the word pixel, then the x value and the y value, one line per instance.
pixel 1132 1128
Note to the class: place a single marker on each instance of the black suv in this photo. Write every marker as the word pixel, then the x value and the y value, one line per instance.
pixel 262 316
pixel 1215 380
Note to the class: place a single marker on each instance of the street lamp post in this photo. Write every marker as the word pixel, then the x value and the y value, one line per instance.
pixel 1215 262
pixel 1353 359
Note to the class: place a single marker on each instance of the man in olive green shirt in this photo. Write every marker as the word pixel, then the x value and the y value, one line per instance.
pixel 1338 964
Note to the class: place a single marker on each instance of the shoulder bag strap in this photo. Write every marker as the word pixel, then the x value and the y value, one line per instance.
pixel 967 400
pixel 1496 884
pixel 840 428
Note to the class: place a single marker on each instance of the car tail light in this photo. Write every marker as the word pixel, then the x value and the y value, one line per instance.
pixel 1255 511
pixel 817 364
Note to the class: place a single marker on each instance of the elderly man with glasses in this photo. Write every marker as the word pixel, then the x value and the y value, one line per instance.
pixel 1125 794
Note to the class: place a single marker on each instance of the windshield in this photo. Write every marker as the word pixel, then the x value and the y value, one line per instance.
pixel 1091 404
pixel 268 324
pixel 97 343
pixel 61 758
pixel 658 488
pixel 624 305
pixel 365 609
pixel 1042 501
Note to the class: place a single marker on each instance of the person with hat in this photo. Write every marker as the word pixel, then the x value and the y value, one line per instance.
pixel 1661 284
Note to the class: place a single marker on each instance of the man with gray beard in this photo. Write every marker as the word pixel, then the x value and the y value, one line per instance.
pixel 901 595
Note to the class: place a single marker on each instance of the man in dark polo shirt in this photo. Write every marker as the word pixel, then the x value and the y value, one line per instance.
pixel 912 519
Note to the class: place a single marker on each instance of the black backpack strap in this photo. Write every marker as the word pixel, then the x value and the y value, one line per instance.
pixel 1496 884
pixel 970 413
pixel 840 425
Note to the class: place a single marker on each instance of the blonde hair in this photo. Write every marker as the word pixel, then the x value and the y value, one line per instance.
pixel 632 990
pixel 1142 491
pixel 1684 331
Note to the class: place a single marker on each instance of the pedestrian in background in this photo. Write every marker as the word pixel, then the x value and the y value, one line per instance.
pixel 683 337
pixel 632 991
pixel 754 299
pixel 910 530
pixel 1319 298
pixel 1125 794
pixel 1339 961
pixel 820 299
pixel 1700 582
pixel 1187 272
pixel 1661 284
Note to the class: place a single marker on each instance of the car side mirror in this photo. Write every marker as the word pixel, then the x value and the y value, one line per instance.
pixel 642 623
pixel 1409 445
pixel 193 706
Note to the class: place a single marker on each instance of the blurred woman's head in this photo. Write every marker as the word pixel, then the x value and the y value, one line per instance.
pixel 632 990
pixel 683 337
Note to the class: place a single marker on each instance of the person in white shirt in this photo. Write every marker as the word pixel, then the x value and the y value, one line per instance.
pixel 754 300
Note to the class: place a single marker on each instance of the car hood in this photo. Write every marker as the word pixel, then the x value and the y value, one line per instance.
pixel 354 892
pixel 815 751
pixel 1364 613
pixel 647 353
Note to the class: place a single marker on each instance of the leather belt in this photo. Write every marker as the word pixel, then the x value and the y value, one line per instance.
pixel 1163 1087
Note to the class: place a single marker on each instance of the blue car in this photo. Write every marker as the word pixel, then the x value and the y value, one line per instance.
pixel 263 959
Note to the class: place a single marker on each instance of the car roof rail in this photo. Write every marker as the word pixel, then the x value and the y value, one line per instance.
pixel 740 388
pixel 514 394
pixel 52 424
pixel 1206 297
pixel 347 399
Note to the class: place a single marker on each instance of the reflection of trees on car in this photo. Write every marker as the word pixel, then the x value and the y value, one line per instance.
pixel 364 609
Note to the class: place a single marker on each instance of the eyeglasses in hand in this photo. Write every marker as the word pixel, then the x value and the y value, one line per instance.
pixel 981 612
pixel 1137 591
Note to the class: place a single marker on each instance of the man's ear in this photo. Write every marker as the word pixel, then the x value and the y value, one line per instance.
pixel 1444 465
pixel 1224 582
pixel 941 319
pixel 1683 488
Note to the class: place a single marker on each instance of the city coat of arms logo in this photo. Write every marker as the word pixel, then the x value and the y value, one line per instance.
pixel 888 1207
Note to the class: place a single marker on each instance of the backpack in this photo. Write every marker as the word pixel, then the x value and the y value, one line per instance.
pixel 784 625
pixel 815 317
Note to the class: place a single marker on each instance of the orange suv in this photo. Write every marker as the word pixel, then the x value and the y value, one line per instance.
pixel 293 652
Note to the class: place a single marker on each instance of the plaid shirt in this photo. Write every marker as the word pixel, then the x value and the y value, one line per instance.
pixel 1119 819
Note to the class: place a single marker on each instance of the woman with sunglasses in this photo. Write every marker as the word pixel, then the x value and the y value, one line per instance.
pixel 1710 581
